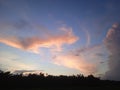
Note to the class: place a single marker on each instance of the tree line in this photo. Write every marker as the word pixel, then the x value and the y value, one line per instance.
pixel 8 79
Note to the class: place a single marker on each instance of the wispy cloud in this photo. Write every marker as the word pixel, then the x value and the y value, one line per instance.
pixel 88 38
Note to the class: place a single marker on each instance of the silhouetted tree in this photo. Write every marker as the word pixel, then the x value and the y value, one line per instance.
pixel 40 80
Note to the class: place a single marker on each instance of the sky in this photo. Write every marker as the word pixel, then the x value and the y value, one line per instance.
pixel 61 37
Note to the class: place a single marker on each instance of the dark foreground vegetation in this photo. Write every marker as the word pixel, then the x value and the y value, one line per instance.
pixel 49 82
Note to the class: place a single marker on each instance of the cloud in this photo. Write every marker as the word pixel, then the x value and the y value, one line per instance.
pixel 88 38
pixel 10 65
pixel 35 37
pixel 112 43
pixel 102 62
pixel 92 48
pixel 10 61
pixel 26 71
pixel 86 60
pixel 75 62
pixel 100 54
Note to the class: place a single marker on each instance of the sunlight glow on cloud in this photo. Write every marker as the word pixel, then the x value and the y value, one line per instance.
pixel 33 43
pixel 37 33
pixel 73 61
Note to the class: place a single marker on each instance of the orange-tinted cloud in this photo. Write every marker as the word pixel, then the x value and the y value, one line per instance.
pixel 33 43
pixel 75 62
pixel 86 60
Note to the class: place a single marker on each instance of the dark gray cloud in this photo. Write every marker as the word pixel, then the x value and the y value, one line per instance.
pixel 100 54
pixel 102 62
pixel 26 71
pixel 78 51
pixel 112 43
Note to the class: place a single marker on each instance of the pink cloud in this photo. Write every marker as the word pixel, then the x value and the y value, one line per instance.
pixel 112 43
pixel 75 62
pixel 33 43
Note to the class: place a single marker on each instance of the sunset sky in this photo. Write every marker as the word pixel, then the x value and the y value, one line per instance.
pixel 61 37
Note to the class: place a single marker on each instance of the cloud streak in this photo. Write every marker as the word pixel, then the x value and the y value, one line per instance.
pixel 27 72
pixel 88 38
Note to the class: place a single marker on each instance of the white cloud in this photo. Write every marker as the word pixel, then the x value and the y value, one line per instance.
pixel 112 43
